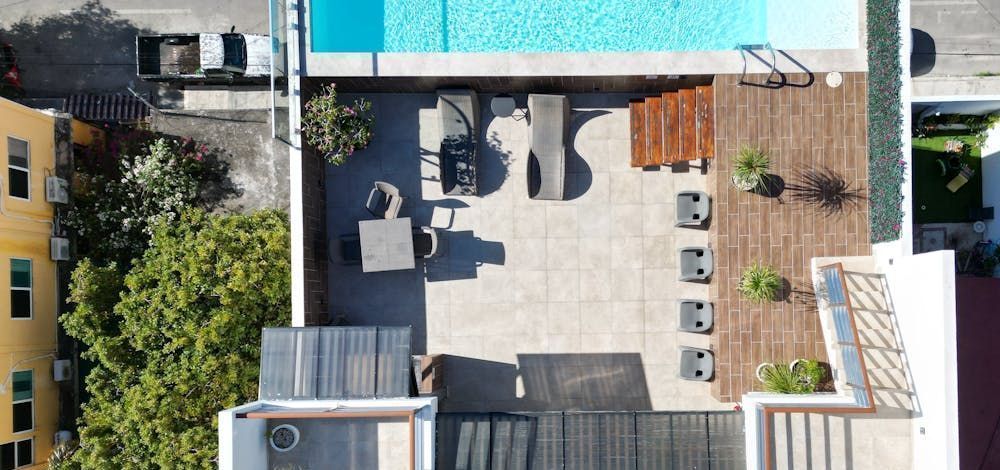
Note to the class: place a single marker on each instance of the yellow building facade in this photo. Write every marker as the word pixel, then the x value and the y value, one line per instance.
pixel 29 295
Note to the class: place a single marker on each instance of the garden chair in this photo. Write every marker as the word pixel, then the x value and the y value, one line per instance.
pixel 425 242
pixel 696 364
pixel 384 200
pixel 696 263
pixel 694 316
pixel 692 208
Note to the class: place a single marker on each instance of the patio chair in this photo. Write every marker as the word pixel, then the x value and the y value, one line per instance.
pixel 458 111
pixel 384 200
pixel 547 157
pixel 964 175
pixel 696 364
pixel 345 249
pixel 696 263
pixel 694 316
pixel 425 242
pixel 692 208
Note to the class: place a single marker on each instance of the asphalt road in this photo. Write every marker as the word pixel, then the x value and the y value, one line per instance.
pixel 68 46
pixel 955 37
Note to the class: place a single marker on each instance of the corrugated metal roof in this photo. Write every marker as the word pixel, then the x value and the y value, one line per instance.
pixel 335 363
pixel 603 440
pixel 113 107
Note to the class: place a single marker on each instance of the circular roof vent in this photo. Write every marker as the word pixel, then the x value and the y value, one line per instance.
pixel 284 437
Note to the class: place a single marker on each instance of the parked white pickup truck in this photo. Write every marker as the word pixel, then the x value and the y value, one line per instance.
pixel 204 57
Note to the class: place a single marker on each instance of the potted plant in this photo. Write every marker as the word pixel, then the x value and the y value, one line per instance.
pixel 759 283
pixel 800 377
pixel 750 166
pixel 780 378
pixel 335 129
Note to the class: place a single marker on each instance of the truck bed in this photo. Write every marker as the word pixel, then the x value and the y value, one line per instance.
pixel 180 59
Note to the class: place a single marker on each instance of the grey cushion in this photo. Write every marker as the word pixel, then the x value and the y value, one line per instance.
pixel 696 263
pixel 692 208
pixel 696 364
pixel 694 316
pixel 547 157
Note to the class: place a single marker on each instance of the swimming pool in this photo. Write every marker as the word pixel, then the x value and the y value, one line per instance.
pixel 579 25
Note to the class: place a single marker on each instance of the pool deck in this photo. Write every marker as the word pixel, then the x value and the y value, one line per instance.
pixel 801 127
pixel 325 64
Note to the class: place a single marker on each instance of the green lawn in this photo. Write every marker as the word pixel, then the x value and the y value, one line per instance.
pixel 932 202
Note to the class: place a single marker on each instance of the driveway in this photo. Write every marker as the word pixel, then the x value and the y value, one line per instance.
pixel 70 46
pixel 955 37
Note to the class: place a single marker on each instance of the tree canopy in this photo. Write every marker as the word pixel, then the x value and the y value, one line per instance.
pixel 177 338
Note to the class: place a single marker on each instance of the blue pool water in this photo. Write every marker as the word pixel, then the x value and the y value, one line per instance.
pixel 579 25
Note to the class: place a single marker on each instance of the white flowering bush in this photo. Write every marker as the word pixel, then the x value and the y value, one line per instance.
pixel 114 211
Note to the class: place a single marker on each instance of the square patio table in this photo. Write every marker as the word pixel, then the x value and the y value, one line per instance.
pixel 386 245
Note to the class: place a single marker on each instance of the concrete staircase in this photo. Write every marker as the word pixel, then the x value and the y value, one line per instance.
pixel 674 127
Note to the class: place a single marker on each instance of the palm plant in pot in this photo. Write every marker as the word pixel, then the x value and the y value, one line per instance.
pixel 760 283
pixel 750 169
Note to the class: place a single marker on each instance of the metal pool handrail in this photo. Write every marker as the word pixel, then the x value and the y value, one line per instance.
pixel 743 48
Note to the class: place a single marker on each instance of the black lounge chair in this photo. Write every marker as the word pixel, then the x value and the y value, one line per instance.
pixel 458 111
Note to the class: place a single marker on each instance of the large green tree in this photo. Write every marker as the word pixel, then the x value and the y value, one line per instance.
pixel 177 339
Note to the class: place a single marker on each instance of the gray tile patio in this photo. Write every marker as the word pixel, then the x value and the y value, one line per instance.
pixel 539 305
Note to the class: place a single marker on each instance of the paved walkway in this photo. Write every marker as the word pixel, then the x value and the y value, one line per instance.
pixel 801 127
pixel 539 305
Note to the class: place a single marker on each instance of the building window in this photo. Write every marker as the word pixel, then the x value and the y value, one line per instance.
pixel 18 168
pixel 20 288
pixel 24 400
pixel 17 454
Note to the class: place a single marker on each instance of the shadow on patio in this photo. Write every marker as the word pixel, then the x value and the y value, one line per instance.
pixel 547 382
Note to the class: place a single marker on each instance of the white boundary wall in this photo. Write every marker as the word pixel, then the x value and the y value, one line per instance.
pixel 922 290
pixel 243 442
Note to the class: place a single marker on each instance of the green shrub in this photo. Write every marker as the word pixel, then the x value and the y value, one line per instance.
pixel 779 378
pixel 750 168
pixel 885 154
pixel 760 283
pixel 178 338
pixel 782 378
pixel 334 129
pixel 117 197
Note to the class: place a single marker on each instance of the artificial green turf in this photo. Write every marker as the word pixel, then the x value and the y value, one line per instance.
pixel 932 202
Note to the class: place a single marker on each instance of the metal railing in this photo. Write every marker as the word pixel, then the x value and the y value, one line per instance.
pixel 744 48
pixel 833 296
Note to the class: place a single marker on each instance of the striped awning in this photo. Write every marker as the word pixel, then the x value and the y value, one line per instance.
pixel 335 363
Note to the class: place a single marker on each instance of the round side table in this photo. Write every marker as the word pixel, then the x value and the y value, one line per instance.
pixel 503 105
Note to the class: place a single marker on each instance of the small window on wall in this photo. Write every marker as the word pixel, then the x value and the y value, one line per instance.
pixel 18 168
pixel 20 288
pixel 17 454
pixel 23 400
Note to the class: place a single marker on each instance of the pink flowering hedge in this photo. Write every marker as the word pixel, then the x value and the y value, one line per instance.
pixel 885 153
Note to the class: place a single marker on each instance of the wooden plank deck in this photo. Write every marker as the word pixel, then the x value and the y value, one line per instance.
pixel 688 128
pixel 815 127
pixel 637 123
pixel 671 128
pixel 654 131
pixel 705 120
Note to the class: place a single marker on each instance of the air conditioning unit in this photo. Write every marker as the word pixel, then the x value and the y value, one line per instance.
pixel 59 249
pixel 62 437
pixel 62 370
pixel 56 190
